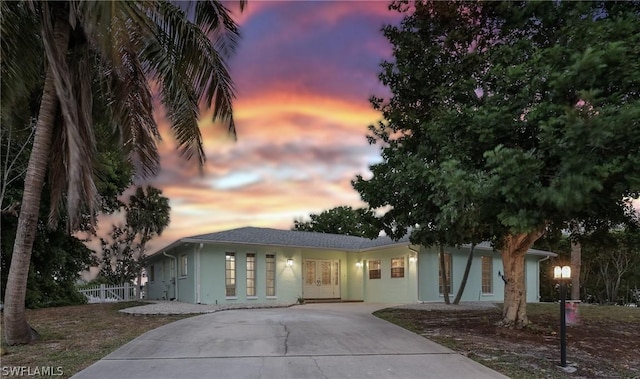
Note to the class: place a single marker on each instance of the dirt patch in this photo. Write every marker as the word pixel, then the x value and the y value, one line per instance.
pixel 605 344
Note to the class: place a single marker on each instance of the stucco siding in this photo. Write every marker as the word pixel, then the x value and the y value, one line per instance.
pixel 387 289
pixel 428 284
pixel 193 269
pixel 288 284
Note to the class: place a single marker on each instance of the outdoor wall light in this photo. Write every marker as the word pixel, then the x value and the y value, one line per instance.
pixel 289 262
pixel 563 272
pixel 562 275
pixel 413 259
pixel 359 264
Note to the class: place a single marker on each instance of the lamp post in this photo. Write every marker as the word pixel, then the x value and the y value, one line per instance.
pixel 562 275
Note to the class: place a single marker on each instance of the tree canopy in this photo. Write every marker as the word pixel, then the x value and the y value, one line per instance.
pixel 359 222
pixel 505 120
pixel 53 53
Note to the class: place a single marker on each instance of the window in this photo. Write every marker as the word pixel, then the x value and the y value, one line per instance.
pixel 251 274
pixel 374 269
pixel 487 274
pixel 397 267
pixel 271 275
pixel 447 270
pixel 152 273
pixel 183 265
pixel 230 274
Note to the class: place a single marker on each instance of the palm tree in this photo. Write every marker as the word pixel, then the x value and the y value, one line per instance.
pixel 148 213
pixel 124 46
pixel 147 216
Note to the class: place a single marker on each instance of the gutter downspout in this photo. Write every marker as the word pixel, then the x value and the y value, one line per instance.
pixel 538 276
pixel 175 278
pixel 417 272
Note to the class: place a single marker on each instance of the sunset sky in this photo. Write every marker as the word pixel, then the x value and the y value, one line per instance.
pixel 304 71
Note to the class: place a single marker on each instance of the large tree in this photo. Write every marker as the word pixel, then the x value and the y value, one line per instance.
pixel 345 220
pixel 535 103
pixel 123 46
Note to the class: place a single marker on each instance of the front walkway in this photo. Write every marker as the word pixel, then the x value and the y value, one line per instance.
pixel 339 340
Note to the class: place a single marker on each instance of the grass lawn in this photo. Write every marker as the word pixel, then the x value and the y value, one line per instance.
pixel 604 344
pixel 74 337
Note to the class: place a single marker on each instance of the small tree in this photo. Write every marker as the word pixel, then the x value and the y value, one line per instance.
pixel 147 215
pixel 119 263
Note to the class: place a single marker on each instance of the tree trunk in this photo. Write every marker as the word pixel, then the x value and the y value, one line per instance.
pixel 443 275
pixel 17 330
pixel 465 276
pixel 576 255
pixel 513 251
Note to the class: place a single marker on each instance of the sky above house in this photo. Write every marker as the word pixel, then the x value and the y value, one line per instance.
pixel 303 71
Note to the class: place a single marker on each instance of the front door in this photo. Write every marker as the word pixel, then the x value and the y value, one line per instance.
pixel 321 279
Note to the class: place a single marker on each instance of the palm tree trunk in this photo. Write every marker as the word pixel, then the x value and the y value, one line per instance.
pixel 17 330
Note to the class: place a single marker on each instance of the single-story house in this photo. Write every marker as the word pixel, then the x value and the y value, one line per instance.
pixel 261 265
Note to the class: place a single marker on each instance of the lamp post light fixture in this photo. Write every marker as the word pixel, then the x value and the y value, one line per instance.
pixel 562 275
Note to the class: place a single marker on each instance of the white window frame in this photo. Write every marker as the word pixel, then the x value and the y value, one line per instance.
pixel 397 273
pixel 230 275
pixel 374 265
pixel 270 276
pixel 251 275
pixel 487 275
pixel 184 265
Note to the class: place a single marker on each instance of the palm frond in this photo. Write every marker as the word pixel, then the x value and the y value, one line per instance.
pixel 132 105
pixel 214 19
pixel 125 85
pixel 186 61
pixel 77 145
pixel 20 60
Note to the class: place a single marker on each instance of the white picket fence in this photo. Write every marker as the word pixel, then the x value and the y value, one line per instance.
pixel 110 293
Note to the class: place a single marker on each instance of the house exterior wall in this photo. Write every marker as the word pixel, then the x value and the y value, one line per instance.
pixel 204 281
pixel 288 280
pixel 386 289
pixel 532 278
pixel 428 283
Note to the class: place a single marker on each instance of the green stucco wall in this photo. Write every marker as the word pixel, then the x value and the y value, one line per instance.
pixel 205 279
pixel 429 268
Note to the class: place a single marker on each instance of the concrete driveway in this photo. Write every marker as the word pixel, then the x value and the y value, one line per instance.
pixel 309 341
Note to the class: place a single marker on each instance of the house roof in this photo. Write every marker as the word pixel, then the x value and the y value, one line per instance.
pixel 293 238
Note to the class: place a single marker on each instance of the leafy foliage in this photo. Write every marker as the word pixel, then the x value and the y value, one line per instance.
pixel 120 47
pixel 359 222
pixel 147 214
pixel 119 263
pixel 507 119
pixel 610 265
pixel 57 261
